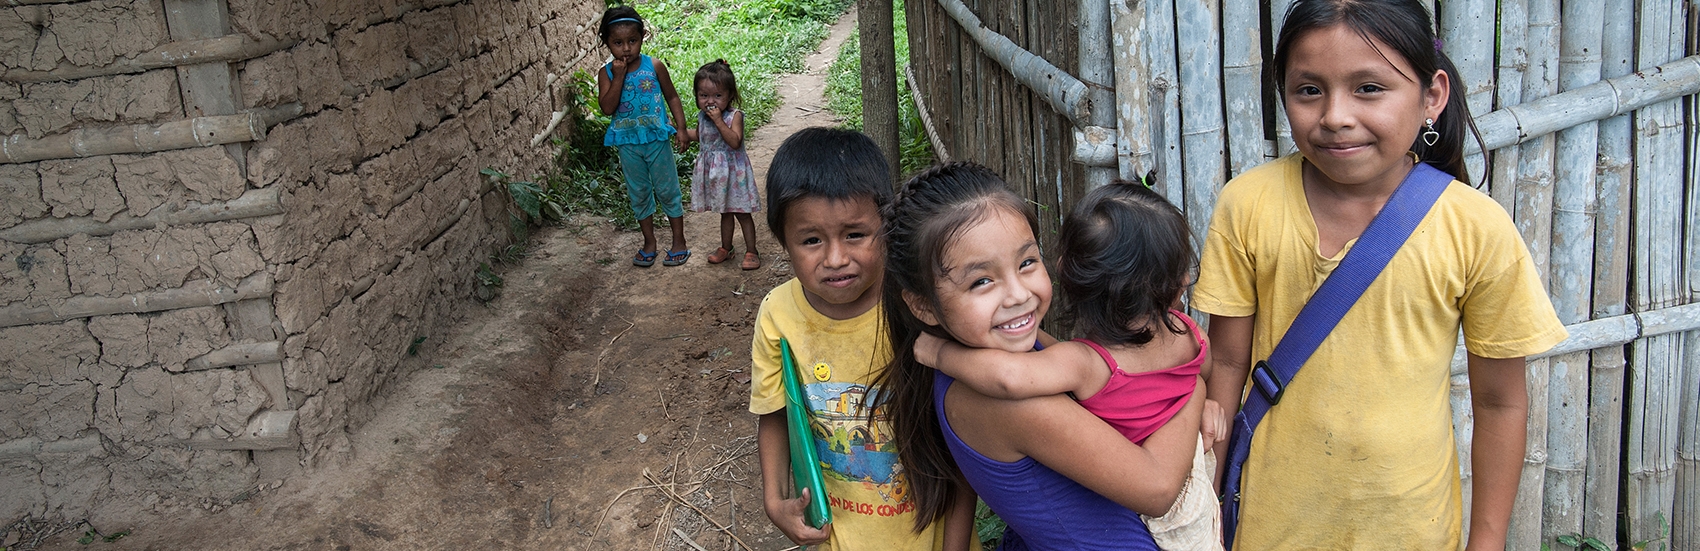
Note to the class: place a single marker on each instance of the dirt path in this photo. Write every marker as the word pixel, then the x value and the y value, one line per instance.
pixel 563 414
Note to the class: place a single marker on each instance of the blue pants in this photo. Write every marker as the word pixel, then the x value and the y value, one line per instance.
pixel 652 176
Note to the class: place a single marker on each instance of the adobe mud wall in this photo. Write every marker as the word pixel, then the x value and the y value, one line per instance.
pixel 223 224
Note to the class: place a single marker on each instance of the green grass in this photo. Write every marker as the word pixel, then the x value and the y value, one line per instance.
pixel 761 39
pixel 844 96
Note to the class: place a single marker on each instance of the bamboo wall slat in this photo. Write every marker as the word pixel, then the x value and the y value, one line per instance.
pixel 1650 453
pixel 1467 31
pixel 1203 141
pixel 1574 202
pixel 1606 205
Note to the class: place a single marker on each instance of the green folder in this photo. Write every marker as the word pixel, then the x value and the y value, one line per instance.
pixel 805 460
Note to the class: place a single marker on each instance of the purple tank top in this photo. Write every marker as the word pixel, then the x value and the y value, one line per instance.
pixel 1044 510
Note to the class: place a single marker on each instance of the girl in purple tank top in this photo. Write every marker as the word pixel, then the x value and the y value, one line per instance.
pixel 963 264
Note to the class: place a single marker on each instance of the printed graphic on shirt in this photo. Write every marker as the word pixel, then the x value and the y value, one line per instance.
pixel 851 449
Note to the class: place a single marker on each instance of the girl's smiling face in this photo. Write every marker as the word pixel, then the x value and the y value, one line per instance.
pixel 1356 107
pixel 994 289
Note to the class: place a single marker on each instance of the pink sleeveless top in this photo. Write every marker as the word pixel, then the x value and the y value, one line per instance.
pixel 1137 404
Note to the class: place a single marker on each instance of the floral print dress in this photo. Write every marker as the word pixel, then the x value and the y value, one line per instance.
pixel 723 180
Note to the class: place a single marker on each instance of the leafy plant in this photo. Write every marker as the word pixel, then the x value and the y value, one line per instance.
pixel 486 282
pixel 988 528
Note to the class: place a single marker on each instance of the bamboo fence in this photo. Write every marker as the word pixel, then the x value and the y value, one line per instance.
pixel 1589 141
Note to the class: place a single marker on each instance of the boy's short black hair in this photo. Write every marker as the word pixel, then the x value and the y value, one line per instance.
pixel 827 163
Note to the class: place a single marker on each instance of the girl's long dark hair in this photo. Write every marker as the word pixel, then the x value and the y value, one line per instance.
pixel 931 210
pixel 1123 258
pixel 1404 26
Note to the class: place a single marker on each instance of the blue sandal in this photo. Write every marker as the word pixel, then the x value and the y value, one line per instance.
pixel 676 258
pixel 644 259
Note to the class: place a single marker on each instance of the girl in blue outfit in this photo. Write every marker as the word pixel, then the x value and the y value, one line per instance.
pixel 962 263
pixel 632 88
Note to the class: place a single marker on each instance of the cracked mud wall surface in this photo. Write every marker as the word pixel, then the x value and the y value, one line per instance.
pixel 385 221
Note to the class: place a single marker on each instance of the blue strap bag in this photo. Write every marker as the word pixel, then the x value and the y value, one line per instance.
pixel 1362 265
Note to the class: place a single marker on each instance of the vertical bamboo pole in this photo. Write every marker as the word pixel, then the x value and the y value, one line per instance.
pixel 1097 70
pixel 1242 78
pixel 1685 531
pixel 1202 140
pixel 1466 27
pixel 1572 276
pixel 1534 219
pixel 1133 82
pixel 1611 269
pixel 1165 97
pixel 1283 127
pixel 1513 60
pixel 1650 454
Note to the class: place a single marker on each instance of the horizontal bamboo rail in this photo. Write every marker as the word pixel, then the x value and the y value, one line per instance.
pixel 1065 94
pixel 136 138
pixel 237 355
pixel 203 292
pixel 1627 328
pixel 254 203
pixel 268 430
pixel 1598 101
pixel 226 49
pixel 29 447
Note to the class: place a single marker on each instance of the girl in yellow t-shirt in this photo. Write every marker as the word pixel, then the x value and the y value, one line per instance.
pixel 1359 452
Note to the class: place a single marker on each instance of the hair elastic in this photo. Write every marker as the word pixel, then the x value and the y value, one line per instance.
pixel 625 19
pixel 1438 44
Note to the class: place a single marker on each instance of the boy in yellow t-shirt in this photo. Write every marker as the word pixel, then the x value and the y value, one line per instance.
pixel 825 191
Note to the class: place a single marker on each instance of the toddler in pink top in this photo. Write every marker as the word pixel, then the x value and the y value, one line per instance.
pixel 1125 258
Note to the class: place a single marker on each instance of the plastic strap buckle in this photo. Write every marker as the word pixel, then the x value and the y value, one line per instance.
pixel 1267 382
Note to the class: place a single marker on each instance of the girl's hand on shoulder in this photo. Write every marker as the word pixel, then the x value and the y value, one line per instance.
pixel 927 349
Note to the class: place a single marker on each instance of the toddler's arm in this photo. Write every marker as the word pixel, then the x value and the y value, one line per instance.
pixel 774 451
pixel 1063 367
pixel 673 106
pixel 1500 401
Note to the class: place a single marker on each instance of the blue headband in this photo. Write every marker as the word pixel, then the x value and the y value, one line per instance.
pixel 625 19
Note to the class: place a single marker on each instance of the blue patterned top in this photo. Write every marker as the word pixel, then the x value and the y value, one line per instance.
pixel 642 115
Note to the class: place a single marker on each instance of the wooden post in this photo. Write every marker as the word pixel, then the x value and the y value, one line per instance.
pixel 879 78
pixel 1283 127
pixel 1574 200
pixel 1097 71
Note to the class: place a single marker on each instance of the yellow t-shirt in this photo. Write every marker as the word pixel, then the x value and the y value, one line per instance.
pixel 871 508
pixel 1359 454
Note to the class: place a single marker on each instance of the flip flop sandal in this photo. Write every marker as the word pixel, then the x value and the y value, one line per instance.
pixel 751 261
pixel 643 259
pixel 675 258
pixel 719 255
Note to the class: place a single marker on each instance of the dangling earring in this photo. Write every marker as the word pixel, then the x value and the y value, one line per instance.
pixel 1430 136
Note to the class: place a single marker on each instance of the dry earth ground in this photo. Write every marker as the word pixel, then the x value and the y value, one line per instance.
pixel 593 405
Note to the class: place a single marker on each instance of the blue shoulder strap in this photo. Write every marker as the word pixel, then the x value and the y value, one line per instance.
pixel 1362 265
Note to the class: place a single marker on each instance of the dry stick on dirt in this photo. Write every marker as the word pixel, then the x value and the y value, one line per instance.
pixel 688 540
pixel 675 497
pixel 598 367
pixel 610 505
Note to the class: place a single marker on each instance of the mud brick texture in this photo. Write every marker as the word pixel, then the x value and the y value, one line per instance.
pixel 392 108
